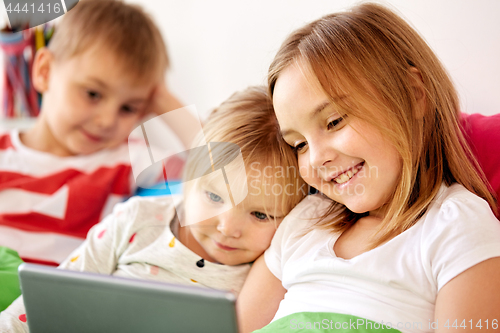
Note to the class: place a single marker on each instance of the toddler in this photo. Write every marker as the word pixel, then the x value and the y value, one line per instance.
pixel 204 244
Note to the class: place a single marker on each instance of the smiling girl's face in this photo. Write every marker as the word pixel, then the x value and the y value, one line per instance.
pixel 344 157
pixel 237 235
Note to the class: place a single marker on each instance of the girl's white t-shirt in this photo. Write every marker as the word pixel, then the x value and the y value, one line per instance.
pixel 395 283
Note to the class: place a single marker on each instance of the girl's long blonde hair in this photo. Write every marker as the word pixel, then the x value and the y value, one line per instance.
pixel 373 54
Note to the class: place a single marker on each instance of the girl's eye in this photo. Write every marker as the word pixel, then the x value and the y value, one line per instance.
pixel 260 216
pixel 335 123
pixel 93 95
pixel 297 148
pixel 214 197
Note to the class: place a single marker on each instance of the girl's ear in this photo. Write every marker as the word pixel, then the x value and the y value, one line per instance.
pixel 420 93
pixel 41 69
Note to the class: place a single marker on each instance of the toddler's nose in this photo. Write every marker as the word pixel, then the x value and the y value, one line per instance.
pixel 230 225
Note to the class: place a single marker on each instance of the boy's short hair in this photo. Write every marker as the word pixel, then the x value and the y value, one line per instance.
pixel 247 121
pixel 126 30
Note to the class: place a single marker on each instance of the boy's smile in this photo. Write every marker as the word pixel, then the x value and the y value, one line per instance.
pixel 90 102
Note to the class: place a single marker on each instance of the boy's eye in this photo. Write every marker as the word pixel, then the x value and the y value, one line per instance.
pixel 93 95
pixel 260 216
pixel 128 109
pixel 334 123
pixel 214 197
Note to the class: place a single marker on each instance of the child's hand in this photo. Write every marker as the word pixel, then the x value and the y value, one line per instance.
pixel 162 100
pixel 183 124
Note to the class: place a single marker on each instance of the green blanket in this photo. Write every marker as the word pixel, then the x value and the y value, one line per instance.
pixel 319 322
pixel 9 281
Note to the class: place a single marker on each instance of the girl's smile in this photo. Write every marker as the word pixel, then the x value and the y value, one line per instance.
pixel 343 177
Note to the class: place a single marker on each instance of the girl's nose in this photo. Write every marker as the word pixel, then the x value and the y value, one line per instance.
pixel 230 225
pixel 320 154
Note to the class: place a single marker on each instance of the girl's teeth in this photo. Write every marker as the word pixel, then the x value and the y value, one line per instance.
pixel 347 175
pixel 342 178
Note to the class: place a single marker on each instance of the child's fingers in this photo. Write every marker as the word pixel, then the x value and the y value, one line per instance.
pixel 162 100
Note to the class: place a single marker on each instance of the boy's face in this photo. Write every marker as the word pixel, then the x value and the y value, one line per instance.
pixel 90 102
pixel 240 234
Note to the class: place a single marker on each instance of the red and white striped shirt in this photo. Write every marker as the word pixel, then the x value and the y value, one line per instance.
pixel 48 203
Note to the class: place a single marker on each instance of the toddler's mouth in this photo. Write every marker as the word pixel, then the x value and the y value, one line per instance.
pixel 224 247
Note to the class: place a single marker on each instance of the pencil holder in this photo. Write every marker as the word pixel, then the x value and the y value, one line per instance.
pixel 20 100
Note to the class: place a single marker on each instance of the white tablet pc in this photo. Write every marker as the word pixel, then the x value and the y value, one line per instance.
pixel 59 300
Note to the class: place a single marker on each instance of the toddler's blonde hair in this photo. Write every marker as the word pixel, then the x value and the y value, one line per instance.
pixel 247 119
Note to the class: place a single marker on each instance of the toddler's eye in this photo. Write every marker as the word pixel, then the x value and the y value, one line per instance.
pixel 260 216
pixel 93 95
pixel 214 197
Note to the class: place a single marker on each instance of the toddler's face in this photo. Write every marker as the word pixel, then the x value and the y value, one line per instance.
pixel 240 234
pixel 91 103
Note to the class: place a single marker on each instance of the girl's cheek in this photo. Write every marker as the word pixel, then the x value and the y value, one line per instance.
pixel 307 173
pixel 304 166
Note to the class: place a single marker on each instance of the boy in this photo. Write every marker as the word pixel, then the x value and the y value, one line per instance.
pixel 102 70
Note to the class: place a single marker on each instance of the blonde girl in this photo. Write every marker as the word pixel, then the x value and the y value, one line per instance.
pixel 402 233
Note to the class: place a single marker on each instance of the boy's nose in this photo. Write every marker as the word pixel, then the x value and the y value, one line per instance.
pixel 106 117
pixel 230 225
